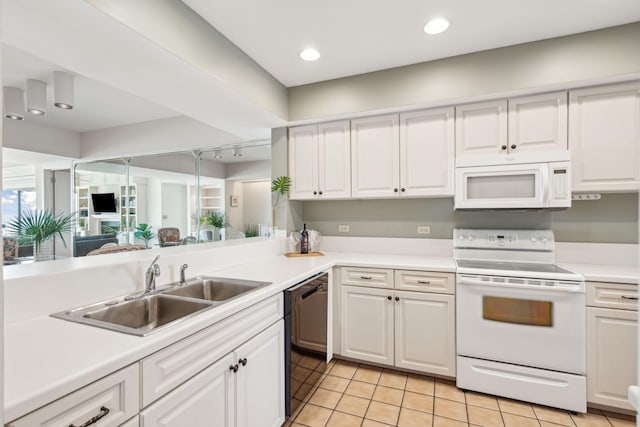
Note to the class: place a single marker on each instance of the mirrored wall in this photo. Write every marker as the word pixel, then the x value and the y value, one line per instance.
pixel 171 199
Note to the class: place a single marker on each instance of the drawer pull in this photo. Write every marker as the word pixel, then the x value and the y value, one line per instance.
pixel 627 297
pixel 366 277
pixel 424 282
pixel 243 362
pixel 103 413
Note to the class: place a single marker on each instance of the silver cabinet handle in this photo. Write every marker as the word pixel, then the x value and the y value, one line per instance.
pixel 627 297
pixel 366 277
pixel 424 282
pixel 103 413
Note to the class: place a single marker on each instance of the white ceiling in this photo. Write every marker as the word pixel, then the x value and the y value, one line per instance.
pixel 97 105
pixel 360 36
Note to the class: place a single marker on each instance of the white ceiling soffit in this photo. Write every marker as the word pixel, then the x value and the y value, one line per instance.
pixel 97 105
pixel 360 36
pixel 85 41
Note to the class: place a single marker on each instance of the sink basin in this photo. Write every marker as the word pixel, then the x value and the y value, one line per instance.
pixel 138 316
pixel 214 288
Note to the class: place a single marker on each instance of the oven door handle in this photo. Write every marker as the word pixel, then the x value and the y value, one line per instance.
pixel 562 289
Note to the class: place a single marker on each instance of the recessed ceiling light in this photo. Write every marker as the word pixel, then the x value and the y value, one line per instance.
pixel 436 26
pixel 309 54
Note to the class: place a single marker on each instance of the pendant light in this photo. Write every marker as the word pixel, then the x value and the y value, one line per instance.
pixel 63 90
pixel 13 100
pixel 36 97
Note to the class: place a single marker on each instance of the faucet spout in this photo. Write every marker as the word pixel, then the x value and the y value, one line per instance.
pixel 150 277
pixel 182 278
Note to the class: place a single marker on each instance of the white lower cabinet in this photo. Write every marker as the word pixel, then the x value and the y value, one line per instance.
pixel 207 399
pixel 245 388
pixel 260 380
pixel 425 332
pixel 612 349
pixel 407 329
pixel 367 324
pixel 109 401
pixel 133 422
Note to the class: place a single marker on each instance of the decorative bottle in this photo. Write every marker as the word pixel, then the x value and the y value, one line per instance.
pixel 304 240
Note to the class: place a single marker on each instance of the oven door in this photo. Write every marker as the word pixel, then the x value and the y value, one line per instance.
pixel 528 322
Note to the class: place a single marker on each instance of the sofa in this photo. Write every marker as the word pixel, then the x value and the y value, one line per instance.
pixel 82 245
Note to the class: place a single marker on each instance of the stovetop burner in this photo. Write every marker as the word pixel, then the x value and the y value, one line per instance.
pixel 513 266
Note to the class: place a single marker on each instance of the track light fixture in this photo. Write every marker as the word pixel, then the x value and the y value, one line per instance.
pixel 13 100
pixel 63 90
pixel 36 97
pixel 237 152
pixel 217 154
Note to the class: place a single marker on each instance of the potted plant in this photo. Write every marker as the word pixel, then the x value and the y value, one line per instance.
pixel 81 227
pixel 280 187
pixel 215 220
pixel 143 231
pixel 39 228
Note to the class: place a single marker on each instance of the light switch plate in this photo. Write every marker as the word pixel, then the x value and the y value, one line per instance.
pixel 343 229
pixel 424 229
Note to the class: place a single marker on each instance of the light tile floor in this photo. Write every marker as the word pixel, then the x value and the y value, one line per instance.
pixel 349 394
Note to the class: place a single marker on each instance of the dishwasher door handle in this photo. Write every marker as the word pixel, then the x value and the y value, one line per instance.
pixel 311 291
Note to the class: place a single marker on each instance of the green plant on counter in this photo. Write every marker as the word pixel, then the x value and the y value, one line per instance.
pixel 143 231
pixel 280 186
pixel 251 231
pixel 215 219
pixel 36 227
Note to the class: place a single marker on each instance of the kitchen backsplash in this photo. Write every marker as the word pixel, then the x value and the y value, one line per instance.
pixel 612 219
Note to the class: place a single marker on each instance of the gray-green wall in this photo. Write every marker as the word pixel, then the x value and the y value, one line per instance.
pixel 613 219
pixel 559 62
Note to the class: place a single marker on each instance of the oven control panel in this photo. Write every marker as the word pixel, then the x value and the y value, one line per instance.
pixel 511 239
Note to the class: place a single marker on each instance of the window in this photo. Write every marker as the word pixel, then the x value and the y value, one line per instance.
pixel 16 201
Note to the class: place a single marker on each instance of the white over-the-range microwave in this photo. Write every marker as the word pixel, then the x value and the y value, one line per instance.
pixel 536 182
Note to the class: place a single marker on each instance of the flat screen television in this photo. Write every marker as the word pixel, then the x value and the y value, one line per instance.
pixel 104 202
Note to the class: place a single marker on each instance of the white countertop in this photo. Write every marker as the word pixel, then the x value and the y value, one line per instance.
pixel 46 358
pixel 605 273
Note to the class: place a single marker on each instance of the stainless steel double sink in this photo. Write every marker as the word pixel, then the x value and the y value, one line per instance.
pixel 161 308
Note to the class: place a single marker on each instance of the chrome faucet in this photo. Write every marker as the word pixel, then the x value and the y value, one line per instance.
pixel 150 277
pixel 183 267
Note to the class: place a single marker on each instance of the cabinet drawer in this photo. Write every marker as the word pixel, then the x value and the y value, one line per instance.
pixel 425 281
pixel 612 295
pixel 170 367
pixel 374 277
pixel 115 396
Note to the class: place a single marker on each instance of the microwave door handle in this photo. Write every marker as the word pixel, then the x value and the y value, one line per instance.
pixel 545 182
pixel 561 289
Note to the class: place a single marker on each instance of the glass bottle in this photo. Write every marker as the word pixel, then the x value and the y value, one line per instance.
pixel 304 240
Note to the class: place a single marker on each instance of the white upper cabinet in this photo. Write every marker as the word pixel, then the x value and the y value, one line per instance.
pixel 303 162
pixel 426 152
pixel 375 155
pixel 334 160
pixel 604 137
pixel 481 129
pixel 525 124
pixel 319 161
pixel 538 123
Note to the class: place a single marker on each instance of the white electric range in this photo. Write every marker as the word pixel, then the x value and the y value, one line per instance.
pixel 520 319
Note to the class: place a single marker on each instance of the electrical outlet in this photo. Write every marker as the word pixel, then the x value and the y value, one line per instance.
pixel 343 229
pixel 424 229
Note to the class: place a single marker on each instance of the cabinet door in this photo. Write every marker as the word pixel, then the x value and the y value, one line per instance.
pixel 611 355
pixel 538 123
pixel 481 129
pixel 425 332
pixel 367 324
pixel 604 137
pixel 133 422
pixel 334 160
pixel 260 379
pixel 375 157
pixel 426 153
pixel 206 399
pixel 303 162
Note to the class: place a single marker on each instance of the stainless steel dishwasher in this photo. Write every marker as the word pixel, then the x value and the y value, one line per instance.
pixel 305 316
